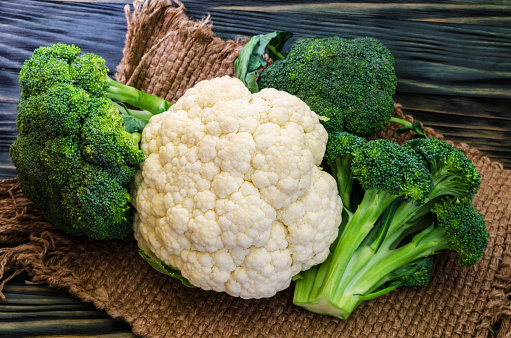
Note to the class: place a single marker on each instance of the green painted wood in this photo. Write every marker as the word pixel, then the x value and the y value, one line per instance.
pixel 453 61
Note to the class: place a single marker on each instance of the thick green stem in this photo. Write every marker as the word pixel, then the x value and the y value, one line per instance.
pixel 365 283
pixel 386 261
pixel 404 213
pixel 139 114
pixel 136 137
pixel 361 261
pixel 135 97
pixel 359 226
pixel 341 170
pixel 446 183
pixel 370 245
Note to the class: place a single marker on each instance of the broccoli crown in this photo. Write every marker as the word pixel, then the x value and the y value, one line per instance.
pixel 342 144
pixel 387 166
pixel 421 273
pixel 351 82
pixel 453 173
pixel 73 156
pixel 465 229
pixel 416 273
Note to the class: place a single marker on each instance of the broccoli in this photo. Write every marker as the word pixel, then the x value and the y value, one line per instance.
pixel 340 150
pixel 77 144
pixel 350 82
pixel 415 202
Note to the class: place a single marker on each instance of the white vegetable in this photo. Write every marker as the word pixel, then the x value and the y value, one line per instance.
pixel 231 193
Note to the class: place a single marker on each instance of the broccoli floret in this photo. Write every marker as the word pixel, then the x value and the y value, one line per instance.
pixel 453 173
pixel 340 150
pixel 416 203
pixel 351 82
pixel 464 228
pixel 74 154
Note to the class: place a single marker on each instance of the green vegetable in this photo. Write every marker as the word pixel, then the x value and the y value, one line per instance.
pixel 73 155
pixel 340 150
pixel 351 82
pixel 164 268
pixel 407 203
pixel 246 66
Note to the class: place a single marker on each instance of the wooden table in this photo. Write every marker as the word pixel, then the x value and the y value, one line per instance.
pixel 453 62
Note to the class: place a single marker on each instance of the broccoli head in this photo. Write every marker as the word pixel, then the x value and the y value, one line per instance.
pixel 350 82
pixel 452 171
pixel 464 228
pixel 74 153
pixel 416 202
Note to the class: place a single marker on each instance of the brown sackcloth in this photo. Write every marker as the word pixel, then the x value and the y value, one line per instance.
pixel 166 53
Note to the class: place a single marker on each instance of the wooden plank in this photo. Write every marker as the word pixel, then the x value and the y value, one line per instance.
pixel 7 169
pixel 435 53
pixel 37 310
pixel 28 24
pixel 453 61
pixel 484 124
pixel 440 52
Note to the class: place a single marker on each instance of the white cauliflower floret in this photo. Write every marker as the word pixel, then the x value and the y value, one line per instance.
pixel 231 193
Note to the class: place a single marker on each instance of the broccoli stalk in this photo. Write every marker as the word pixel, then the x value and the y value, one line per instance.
pixel 77 146
pixel 406 126
pixel 416 203
pixel 340 150
pixel 150 104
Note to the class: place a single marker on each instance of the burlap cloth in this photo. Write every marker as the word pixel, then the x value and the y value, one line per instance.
pixel 165 53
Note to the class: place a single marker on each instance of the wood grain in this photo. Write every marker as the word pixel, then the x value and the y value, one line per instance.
pixel 453 62
pixel 36 311
pixel 444 51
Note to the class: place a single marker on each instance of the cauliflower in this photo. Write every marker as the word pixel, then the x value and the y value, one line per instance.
pixel 230 192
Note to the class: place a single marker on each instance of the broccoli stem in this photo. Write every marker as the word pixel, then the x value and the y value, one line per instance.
pixel 368 282
pixel 447 183
pixel 135 97
pixel 323 281
pixel 341 170
pixel 140 114
pixel 362 286
pixel 274 50
pixel 402 122
pixel 416 126
pixel 136 137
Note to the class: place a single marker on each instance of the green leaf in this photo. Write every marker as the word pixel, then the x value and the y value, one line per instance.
pixel 133 124
pixel 250 57
pixel 165 269
pixel 418 129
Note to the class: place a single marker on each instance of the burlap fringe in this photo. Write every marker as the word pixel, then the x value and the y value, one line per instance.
pixel 159 58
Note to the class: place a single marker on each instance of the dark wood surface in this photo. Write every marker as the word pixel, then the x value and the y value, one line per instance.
pixel 453 62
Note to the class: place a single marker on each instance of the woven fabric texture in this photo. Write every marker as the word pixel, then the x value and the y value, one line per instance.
pixel 166 53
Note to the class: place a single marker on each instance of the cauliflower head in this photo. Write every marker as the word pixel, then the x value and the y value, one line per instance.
pixel 231 193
